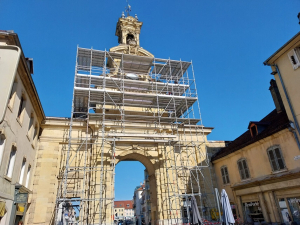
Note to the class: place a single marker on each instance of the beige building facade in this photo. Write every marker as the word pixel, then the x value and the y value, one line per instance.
pixel 260 170
pixel 19 132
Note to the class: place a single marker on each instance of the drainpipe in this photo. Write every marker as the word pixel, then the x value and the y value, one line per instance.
pixel 288 100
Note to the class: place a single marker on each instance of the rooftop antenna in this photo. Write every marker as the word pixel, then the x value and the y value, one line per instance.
pixel 128 8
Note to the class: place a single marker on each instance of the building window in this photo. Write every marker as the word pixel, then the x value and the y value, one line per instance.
pixel 243 168
pixel 22 171
pixel 276 159
pixel 21 107
pixel 30 127
pixel 2 144
pixel 28 176
pixel 35 132
pixel 225 175
pixel 11 162
pixel 12 94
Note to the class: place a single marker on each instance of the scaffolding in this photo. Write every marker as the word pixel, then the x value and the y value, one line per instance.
pixel 123 98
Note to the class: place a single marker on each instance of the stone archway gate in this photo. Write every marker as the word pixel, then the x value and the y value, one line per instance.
pixel 133 107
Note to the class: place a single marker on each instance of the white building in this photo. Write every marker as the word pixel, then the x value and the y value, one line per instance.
pixel 145 200
pixel 21 114
pixel 123 209
pixel 137 198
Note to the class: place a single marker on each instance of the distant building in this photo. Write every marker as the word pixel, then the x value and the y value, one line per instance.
pixel 146 200
pixel 137 204
pixel 123 209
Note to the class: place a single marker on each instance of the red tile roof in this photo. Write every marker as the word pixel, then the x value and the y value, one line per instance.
pixel 141 188
pixel 127 204
pixel 274 122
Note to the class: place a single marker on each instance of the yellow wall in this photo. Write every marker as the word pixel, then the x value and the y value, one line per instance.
pixel 290 77
pixel 259 166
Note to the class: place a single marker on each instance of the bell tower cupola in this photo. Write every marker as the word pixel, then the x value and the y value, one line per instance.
pixel 128 30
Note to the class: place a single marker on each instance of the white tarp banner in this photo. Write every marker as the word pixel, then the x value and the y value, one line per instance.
pixel 227 212
pixel 9 60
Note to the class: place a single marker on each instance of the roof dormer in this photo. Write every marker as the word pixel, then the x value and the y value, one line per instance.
pixel 256 127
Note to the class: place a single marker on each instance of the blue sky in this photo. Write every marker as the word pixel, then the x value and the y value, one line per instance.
pixel 128 176
pixel 227 41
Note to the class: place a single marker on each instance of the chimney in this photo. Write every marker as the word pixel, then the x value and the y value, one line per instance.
pixel 299 17
pixel 276 96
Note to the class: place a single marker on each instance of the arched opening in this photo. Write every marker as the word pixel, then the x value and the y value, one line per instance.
pixel 135 190
pixel 130 40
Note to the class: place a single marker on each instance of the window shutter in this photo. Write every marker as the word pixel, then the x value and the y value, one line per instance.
pixel 272 160
pixel 241 170
pixel 279 159
pixel 227 175
pixel 247 175
pixel 222 171
pixel 223 175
